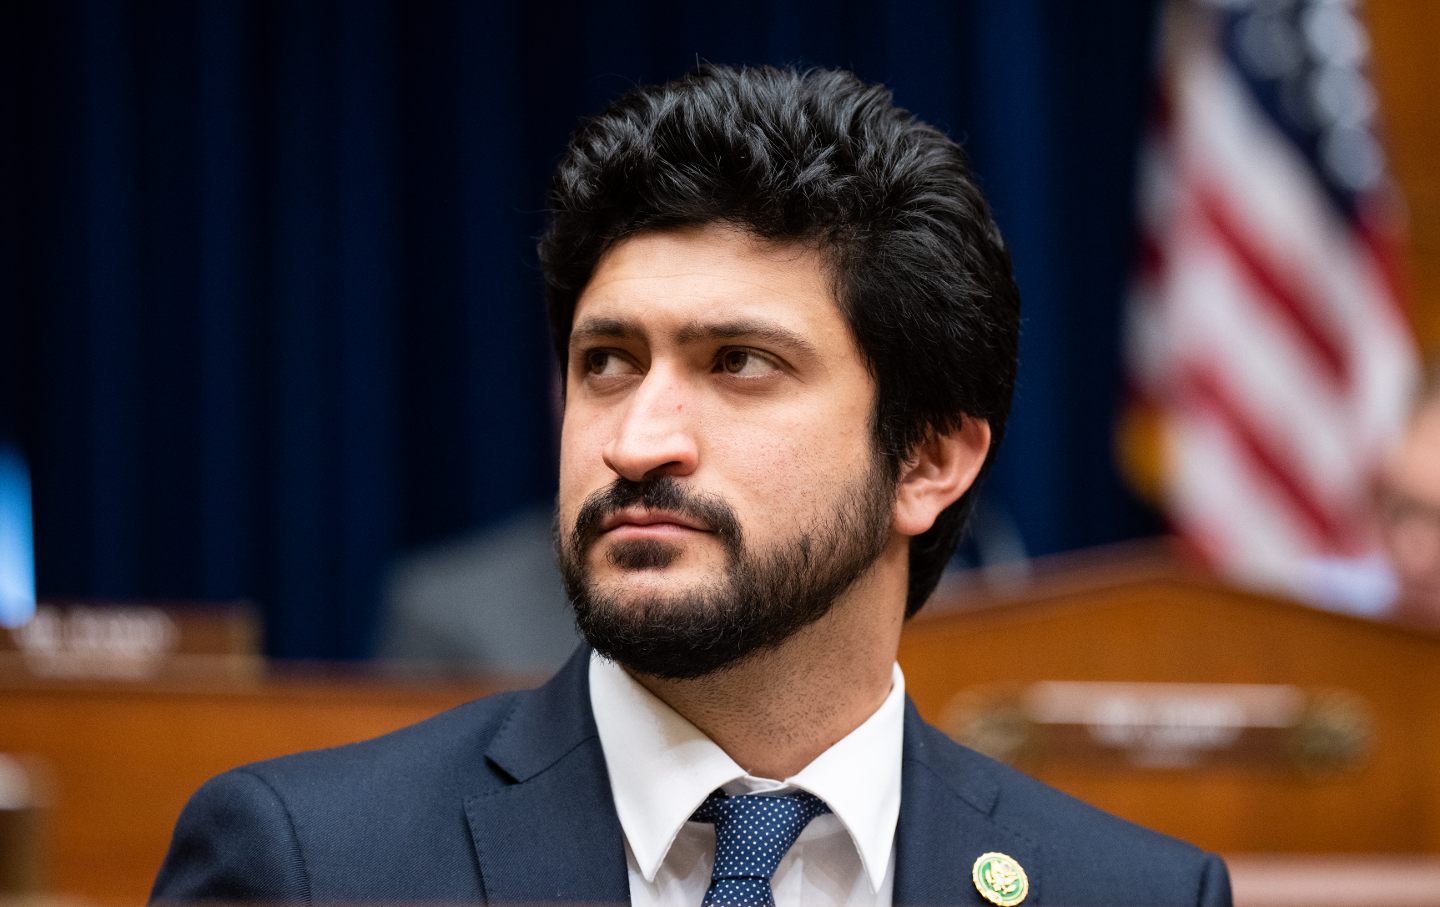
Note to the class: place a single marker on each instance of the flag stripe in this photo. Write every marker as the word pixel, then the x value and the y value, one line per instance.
pixel 1212 317
pixel 1274 289
pixel 1209 393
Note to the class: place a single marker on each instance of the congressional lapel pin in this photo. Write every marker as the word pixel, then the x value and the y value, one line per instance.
pixel 1000 880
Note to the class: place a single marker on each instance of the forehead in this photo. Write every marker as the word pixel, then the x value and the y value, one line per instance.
pixel 676 281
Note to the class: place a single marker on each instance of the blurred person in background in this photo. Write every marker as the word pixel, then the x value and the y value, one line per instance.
pixel 1400 578
pixel 1409 510
pixel 491 601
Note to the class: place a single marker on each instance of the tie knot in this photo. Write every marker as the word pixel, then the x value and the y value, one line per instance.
pixel 753 832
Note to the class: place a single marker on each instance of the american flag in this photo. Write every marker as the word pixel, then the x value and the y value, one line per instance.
pixel 1270 354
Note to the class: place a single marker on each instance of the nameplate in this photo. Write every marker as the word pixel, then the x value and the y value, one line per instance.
pixel 1164 726
pixel 130 641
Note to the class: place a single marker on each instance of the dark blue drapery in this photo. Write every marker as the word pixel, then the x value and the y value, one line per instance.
pixel 272 313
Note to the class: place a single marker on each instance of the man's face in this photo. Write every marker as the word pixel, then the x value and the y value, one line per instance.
pixel 719 486
pixel 1410 513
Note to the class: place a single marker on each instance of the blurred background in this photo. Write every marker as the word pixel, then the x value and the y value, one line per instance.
pixel 272 317
pixel 277 401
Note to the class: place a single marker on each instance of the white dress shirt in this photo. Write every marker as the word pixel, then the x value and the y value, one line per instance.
pixel 662 768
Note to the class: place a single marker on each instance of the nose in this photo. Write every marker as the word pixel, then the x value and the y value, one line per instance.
pixel 654 436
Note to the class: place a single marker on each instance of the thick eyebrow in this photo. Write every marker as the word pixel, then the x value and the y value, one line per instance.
pixel 770 334
pixel 604 329
pixel 740 329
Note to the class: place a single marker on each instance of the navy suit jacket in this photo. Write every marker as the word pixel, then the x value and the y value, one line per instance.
pixel 506 800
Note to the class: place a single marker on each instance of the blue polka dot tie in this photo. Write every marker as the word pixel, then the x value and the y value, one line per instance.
pixel 752 834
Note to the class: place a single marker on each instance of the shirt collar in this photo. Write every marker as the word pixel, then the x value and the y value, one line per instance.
pixel 662 768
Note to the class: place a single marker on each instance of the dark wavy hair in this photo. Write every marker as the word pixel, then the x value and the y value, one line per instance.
pixel 819 157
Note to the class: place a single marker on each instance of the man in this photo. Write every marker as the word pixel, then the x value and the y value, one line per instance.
pixel 1400 579
pixel 1409 510
pixel 788 331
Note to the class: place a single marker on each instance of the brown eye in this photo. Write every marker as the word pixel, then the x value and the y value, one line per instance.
pixel 745 363
pixel 596 361
pixel 734 361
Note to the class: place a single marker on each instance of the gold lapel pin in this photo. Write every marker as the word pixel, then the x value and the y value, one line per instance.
pixel 1000 880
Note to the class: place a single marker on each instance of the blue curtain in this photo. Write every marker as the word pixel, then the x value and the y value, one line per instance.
pixel 272 309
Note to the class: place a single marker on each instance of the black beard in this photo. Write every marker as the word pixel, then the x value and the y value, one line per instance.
pixel 763 600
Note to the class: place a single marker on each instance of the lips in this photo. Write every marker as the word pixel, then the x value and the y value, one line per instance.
pixel 658 510
pixel 641 518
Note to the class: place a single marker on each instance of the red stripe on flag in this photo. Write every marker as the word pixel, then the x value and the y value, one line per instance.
pixel 1205 545
pixel 1275 290
pixel 1383 247
pixel 1208 391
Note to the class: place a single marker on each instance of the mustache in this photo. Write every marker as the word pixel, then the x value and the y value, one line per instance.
pixel 664 493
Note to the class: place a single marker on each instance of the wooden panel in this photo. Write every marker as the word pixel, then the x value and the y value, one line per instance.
pixel 122 759
pixel 1179 628
pixel 1407 69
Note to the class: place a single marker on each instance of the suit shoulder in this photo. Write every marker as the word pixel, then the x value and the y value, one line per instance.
pixel 1079 840
pixel 448 746
pixel 315 824
pixel 991 785
pixel 234 841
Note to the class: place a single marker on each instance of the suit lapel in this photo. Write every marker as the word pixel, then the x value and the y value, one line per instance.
pixel 552 836
pixel 947 803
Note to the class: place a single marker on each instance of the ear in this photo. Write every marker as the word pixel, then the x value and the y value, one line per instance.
pixel 939 471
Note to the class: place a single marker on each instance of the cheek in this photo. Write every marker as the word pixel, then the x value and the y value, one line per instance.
pixel 830 441
pixel 787 468
pixel 579 460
